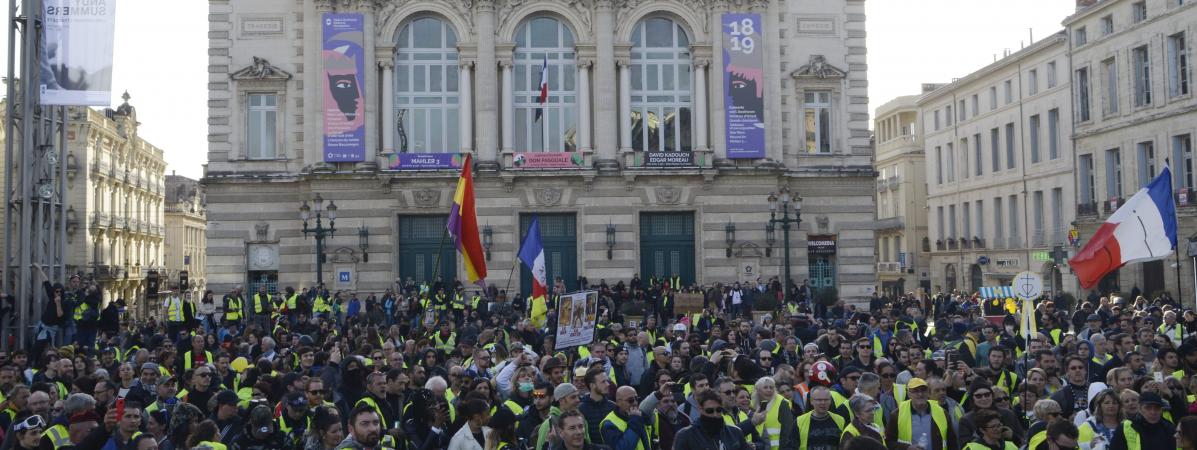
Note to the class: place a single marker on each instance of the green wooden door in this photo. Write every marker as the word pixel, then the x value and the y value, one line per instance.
pixel 667 246
pixel 822 271
pixel 559 236
pixel 419 238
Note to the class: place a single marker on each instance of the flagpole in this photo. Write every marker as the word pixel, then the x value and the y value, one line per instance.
pixel 510 273
pixel 440 248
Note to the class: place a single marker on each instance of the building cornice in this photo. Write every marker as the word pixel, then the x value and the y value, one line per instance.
pixel 1058 38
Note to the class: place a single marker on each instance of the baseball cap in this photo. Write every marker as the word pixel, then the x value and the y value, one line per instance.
pixel 296 400
pixel 916 383
pixel 260 418
pixel 563 390
pixel 1152 398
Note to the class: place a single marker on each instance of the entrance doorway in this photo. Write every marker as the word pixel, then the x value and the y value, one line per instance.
pixel 559 236
pixel 975 277
pixel 667 246
pixel 419 239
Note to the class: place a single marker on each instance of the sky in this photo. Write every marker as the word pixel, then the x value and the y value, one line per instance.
pixel 911 42
pixel 161 57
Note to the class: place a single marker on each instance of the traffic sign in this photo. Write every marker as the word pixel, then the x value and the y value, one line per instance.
pixel 1028 285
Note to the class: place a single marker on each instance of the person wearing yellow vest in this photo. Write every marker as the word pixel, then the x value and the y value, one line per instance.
pixel 1147 430
pixel 989 436
pixel 294 420
pixel 261 306
pixel 1061 435
pixel 376 398
pixel 1107 416
pixel 234 308
pixel 919 422
pixel 778 429
pixel 176 320
pixel 1171 328
pixel 863 409
pixel 445 339
pixel 197 355
pixel 625 428
pixel 819 427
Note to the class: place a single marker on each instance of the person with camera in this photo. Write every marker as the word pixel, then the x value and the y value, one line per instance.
pixel 427 420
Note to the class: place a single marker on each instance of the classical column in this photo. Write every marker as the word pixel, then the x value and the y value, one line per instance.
pixel 465 109
pixel 604 82
pixel 486 103
pixel 584 104
pixel 388 105
pixel 700 103
pixel 506 114
pixel 625 106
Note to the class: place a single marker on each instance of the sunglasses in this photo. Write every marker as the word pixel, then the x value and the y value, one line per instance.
pixel 34 421
pixel 1001 398
pixel 205 375
pixel 317 391
pixel 713 411
pixel 539 394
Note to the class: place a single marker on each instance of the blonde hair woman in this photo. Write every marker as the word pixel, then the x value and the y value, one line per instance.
pixel 772 415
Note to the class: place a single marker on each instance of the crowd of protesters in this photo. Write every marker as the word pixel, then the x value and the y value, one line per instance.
pixel 432 365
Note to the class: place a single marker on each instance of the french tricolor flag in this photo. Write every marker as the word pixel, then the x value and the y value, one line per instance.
pixel 544 88
pixel 1143 229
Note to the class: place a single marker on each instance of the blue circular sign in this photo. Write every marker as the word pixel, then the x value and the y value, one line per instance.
pixel 983 260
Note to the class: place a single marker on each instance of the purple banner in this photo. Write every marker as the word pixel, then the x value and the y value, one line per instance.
pixel 423 161
pixel 744 85
pixel 344 95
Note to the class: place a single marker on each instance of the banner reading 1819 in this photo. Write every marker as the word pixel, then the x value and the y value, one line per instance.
pixel 344 102
pixel 743 85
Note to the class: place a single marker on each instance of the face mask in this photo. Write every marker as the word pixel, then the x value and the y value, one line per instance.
pixel 526 386
pixel 710 425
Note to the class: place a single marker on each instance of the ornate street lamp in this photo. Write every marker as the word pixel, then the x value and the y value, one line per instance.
pixel 318 230
pixel 610 240
pixel 729 236
pixel 363 241
pixel 779 205
pixel 488 239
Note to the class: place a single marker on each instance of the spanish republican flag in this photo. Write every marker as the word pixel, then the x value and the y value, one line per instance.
pixel 463 225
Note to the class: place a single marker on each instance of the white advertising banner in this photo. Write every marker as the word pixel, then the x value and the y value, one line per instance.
pixel 76 52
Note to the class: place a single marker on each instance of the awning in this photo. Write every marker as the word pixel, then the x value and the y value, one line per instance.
pixel 997 292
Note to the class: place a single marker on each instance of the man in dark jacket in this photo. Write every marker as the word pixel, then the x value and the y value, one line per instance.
pixel 261 433
pixel 1151 430
pixel 595 406
pixel 710 432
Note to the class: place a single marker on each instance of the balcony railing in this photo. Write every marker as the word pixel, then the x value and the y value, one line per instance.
pixel 101 220
pixel 1186 198
pixel 1086 209
pixel 952 244
pixel 893 183
pixel 1109 206
pixel 978 242
pixel 119 222
pixel 939 246
pixel 965 243
pixel 889 267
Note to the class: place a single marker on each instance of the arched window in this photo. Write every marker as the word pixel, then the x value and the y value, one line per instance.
pixel 544 43
pixel 426 95
pixel 661 87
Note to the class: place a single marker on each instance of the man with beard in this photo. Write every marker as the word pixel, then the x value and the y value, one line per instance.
pixel 145 388
pixel 1003 378
pixel 710 432
pixel 1075 396
pixel 261 434
pixel 1047 361
pixel 536 413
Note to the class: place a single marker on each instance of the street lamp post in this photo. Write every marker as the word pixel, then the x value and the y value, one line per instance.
pixel 319 231
pixel 781 204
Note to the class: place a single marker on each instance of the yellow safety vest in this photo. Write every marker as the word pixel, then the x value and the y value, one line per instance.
pixel 804 427
pixel 1178 331
pixel 286 429
pixel 979 446
pixel 234 311
pixel 209 444
pixel 1085 433
pixel 622 426
pixel 851 431
pixel 174 310
pixel 772 424
pixel 258 303
pixel 878 347
pixel 1008 383
pixel 445 344
pixel 292 302
pixel 899 393
pixel 321 305
pixel 939 419
pixel 80 309
pixel 1040 437
pixel 187 359
pixel 475 301
pixel 59 436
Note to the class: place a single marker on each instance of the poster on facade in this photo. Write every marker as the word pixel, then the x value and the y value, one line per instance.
pixel 423 161
pixel 343 80
pixel 820 244
pixel 743 85
pixel 576 316
pixel 76 52
pixel 668 159
pixel 548 160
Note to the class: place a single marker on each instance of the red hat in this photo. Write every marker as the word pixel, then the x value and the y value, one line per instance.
pixel 85 416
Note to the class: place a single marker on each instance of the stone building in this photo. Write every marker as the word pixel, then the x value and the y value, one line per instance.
pixel 1135 113
pixel 186 238
pixel 114 196
pixel 629 169
pixel 999 170
pixel 903 250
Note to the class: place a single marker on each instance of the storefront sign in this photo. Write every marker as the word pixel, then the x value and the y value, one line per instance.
pixel 344 96
pixel 821 244
pixel 668 159
pixel 1041 256
pixel 423 161
pixel 1006 262
pixel 548 160
pixel 744 85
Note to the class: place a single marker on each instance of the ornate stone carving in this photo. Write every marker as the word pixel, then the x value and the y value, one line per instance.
pixel 426 198
pixel 818 68
pixel 548 196
pixel 702 63
pixel 581 8
pixel 585 62
pixel 669 195
pixel 344 255
pixel 261 230
pixel 823 223
pixel 261 70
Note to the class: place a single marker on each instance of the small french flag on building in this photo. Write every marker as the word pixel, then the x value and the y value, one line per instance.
pixel 544 88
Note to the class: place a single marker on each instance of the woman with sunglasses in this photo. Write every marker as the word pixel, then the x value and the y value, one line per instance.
pixel 981 395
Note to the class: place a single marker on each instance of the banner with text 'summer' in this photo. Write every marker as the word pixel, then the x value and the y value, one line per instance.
pixel 76 52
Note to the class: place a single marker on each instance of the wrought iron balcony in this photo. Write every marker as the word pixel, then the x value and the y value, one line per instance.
pixel 952 243
pixel 1086 209
pixel 1109 206
pixel 1186 198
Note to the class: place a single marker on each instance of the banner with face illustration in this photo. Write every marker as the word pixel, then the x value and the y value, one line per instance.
pixel 744 85
pixel 344 91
